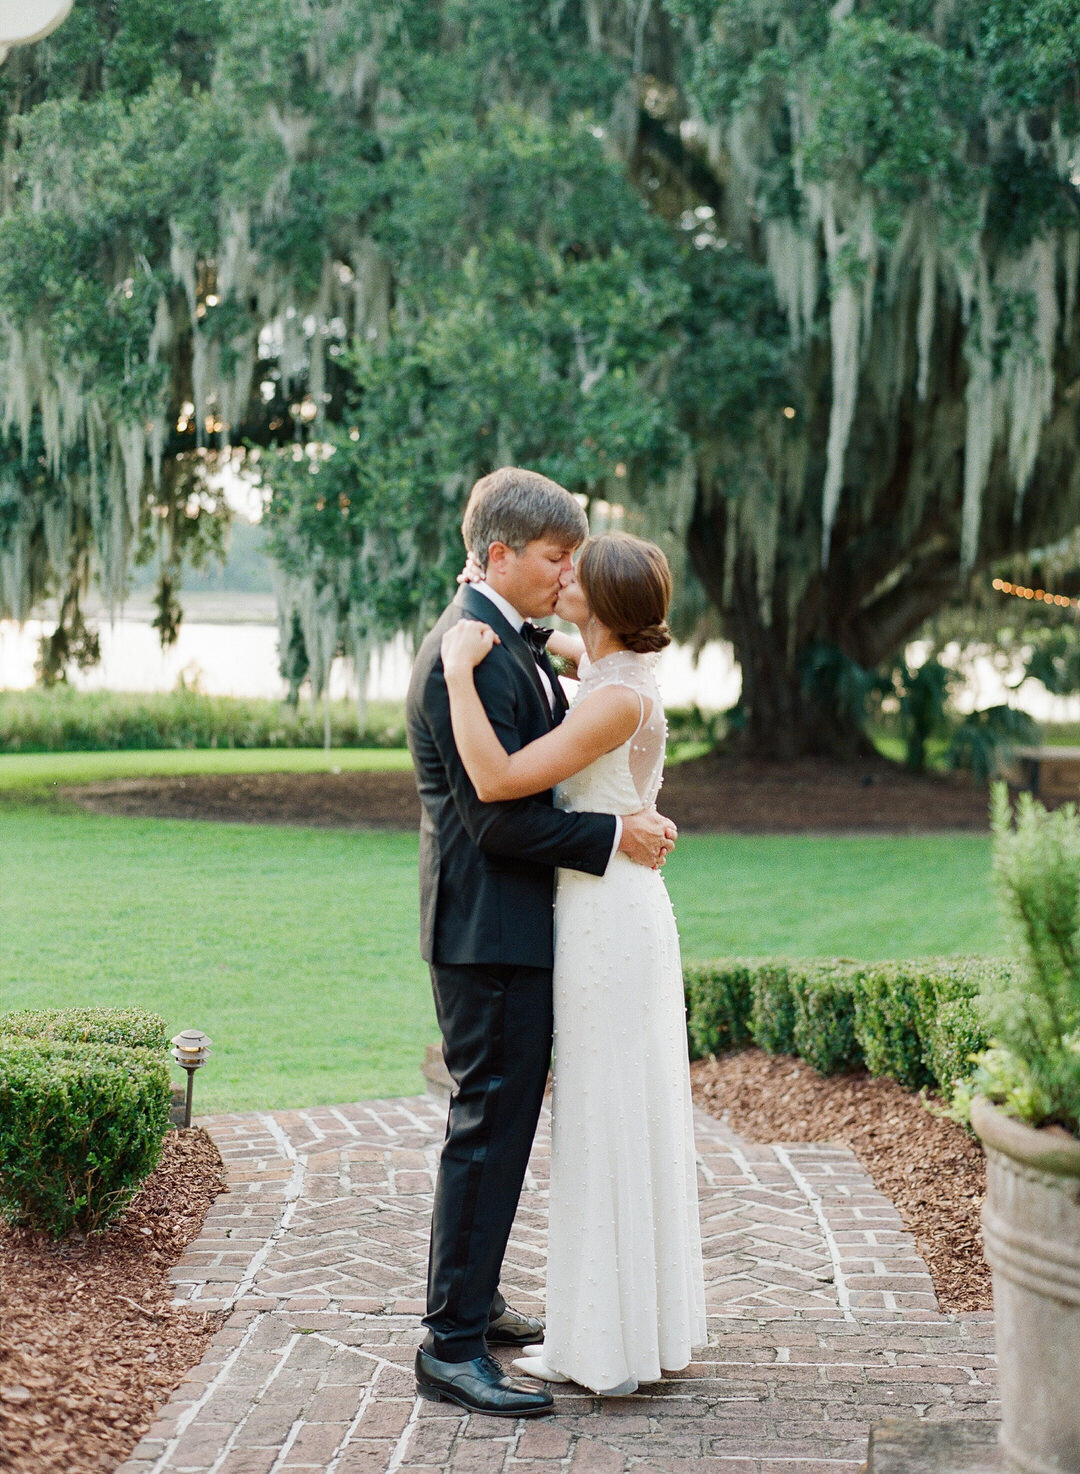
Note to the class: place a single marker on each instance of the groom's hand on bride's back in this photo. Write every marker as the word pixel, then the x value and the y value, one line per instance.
pixel 647 838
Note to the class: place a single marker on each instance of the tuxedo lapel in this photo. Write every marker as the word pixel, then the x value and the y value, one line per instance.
pixel 556 686
pixel 479 607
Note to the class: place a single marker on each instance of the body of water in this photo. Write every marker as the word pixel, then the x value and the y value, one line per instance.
pixel 230 648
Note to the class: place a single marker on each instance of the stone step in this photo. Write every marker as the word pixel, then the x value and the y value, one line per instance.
pixel 437 1077
pixel 901 1446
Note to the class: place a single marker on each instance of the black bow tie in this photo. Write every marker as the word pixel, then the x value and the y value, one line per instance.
pixel 535 637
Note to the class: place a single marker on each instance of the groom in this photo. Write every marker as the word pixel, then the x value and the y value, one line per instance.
pixel 487 874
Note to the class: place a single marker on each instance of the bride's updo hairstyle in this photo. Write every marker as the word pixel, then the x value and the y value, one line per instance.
pixel 627 583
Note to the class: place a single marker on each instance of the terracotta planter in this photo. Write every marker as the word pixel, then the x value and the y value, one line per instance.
pixel 1031 1235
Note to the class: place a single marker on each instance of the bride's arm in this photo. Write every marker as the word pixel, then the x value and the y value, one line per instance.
pixel 570 648
pixel 608 718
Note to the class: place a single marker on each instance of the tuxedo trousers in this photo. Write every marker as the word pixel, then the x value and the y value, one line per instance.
pixel 496 1022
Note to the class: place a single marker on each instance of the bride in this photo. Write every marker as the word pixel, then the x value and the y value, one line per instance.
pixel 625 1288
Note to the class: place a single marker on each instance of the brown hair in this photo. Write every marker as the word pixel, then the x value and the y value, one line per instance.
pixel 516 507
pixel 627 583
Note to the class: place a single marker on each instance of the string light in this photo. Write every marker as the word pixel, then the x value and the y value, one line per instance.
pixel 1018 591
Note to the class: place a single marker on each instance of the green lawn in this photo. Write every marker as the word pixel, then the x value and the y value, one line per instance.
pixel 813 896
pixel 40 771
pixel 295 949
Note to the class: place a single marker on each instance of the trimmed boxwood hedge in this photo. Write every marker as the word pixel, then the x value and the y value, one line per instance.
pixel 823 997
pixel 772 1008
pixel 135 1027
pixel 916 1022
pixel 84 1107
pixel 887 1024
pixel 718 1007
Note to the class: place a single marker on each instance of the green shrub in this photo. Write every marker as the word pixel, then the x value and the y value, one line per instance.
pixel 772 1011
pixel 65 720
pixel 134 1027
pixel 957 1034
pixel 691 724
pixel 916 1022
pixel 823 996
pixel 951 1024
pixel 1033 1012
pixel 887 1023
pixel 718 1006
pixel 1005 1079
pixel 80 1129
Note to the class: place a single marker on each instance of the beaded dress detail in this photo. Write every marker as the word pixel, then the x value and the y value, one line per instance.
pixel 625 1287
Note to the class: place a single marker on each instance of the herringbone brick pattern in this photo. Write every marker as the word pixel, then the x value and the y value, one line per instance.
pixel 822 1317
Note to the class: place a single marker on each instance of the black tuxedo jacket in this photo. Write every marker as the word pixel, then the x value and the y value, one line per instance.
pixel 487 870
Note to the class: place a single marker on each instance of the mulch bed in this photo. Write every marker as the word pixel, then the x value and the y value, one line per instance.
pixel 90 1343
pixel 931 1169
pixel 717 794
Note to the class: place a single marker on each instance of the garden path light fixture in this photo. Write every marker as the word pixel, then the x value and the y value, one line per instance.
pixel 23 21
pixel 191 1049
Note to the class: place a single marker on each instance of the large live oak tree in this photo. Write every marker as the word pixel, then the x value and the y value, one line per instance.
pixel 794 283
pixel 908 174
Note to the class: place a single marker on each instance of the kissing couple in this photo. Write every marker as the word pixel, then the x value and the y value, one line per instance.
pixel 544 916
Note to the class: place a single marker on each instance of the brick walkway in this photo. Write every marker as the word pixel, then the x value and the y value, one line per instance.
pixel 822 1317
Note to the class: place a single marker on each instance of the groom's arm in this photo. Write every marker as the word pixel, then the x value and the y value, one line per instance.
pixel 522 829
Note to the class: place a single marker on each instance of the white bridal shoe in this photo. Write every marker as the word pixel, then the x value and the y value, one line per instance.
pixel 532 1365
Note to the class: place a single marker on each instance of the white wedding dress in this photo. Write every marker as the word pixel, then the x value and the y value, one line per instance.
pixel 625 1287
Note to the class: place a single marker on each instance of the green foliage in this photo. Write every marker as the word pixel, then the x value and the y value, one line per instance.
pixel 707 729
pixel 72 642
pixel 824 1029
pixel 907 100
pixel 898 89
pixel 923 696
pixel 80 1129
pixel 134 1028
pixel 924 720
pixel 836 685
pixel 64 720
pixel 886 147
pixel 978 740
pixel 1029 50
pixel 951 1019
pixel 1054 657
pixel 1034 1013
pixel 541 309
pixel 887 1024
pixel 952 1040
pixel 293 661
pixel 916 1022
pixel 718 1002
pixel 513 298
pixel 772 1008
pixel 1003 1078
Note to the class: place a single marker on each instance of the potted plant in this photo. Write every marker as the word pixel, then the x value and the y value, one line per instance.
pixel 1024 1103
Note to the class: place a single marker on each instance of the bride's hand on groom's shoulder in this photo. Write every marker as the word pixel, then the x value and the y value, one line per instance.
pixel 465 645
pixel 472 572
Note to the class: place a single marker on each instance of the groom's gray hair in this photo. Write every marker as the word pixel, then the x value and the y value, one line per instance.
pixel 516 507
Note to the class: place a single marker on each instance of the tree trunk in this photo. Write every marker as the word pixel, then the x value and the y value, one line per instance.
pixel 784 720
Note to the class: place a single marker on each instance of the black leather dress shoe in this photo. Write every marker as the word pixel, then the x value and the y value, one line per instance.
pixel 481 1386
pixel 512 1329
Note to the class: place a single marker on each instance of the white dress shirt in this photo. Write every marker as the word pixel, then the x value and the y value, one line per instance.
pixel 510 614
pixel 512 617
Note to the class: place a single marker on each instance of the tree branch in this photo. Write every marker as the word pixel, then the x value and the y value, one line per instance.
pixel 698 178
